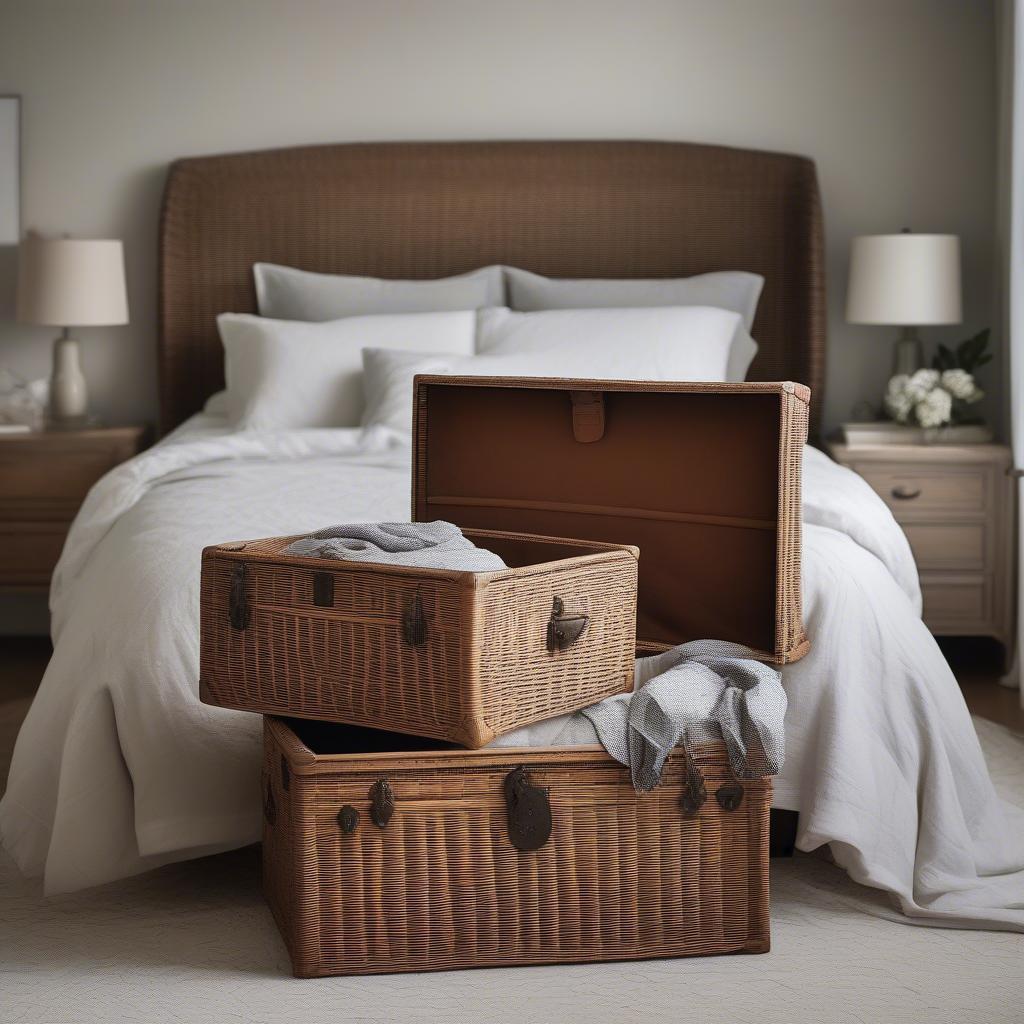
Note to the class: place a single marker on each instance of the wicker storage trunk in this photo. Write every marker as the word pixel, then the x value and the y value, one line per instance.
pixel 458 656
pixel 421 859
pixel 703 478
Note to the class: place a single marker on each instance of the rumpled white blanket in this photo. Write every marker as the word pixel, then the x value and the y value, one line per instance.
pixel 119 767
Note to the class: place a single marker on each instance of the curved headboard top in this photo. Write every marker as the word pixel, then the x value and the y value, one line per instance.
pixel 423 210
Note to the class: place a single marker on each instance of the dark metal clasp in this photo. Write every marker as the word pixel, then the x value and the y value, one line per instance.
pixel 564 630
pixel 414 623
pixel 382 803
pixel 529 811
pixel 348 819
pixel 323 589
pixel 238 602
pixel 269 807
pixel 729 796
pixel 695 793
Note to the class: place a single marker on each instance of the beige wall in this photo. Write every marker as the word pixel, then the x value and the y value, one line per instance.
pixel 893 98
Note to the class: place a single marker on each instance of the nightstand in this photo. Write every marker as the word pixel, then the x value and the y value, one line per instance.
pixel 955 504
pixel 44 477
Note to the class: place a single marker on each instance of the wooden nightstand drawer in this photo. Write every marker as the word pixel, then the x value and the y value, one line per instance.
pixel 955 602
pixel 925 491
pixel 29 551
pixel 947 546
pixel 43 478
pixel 955 503
pixel 70 478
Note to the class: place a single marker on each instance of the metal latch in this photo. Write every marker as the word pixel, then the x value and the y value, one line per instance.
pixel 529 811
pixel 414 623
pixel 238 601
pixel 564 630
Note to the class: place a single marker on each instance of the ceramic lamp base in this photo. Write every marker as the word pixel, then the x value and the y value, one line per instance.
pixel 69 400
pixel 907 352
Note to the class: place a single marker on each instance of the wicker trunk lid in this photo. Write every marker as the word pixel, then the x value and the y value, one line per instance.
pixel 408 860
pixel 703 478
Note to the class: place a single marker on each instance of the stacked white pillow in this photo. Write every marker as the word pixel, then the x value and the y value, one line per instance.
pixel 300 363
pixel 689 343
pixel 736 290
pixel 285 293
pixel 283 374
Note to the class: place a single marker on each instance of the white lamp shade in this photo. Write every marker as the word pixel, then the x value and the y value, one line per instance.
pixel 70 282
pixel 905 279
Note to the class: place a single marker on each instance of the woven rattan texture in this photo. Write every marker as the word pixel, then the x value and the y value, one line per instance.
pixel 441 887
pixel 791 641
pixel 422 210
pixel 483 668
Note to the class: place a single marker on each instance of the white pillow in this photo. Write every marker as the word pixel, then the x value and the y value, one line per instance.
pixel 285 375
pixel 672 343
pixel 734 290
pixel 662 343
pixel 285 293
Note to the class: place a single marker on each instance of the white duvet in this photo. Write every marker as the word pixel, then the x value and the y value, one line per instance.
pixel 119 767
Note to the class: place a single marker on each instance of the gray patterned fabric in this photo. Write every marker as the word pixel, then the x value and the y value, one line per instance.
pixel 699 692
pixel 437 545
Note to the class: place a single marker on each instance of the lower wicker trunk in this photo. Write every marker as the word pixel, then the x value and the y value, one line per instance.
pixel 440 886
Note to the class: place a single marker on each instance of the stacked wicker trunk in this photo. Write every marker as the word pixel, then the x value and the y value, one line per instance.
pixel 390 844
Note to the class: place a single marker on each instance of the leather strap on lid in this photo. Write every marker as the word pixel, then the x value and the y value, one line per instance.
pixel 587 415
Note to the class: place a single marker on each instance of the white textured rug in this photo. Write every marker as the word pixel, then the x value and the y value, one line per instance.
pixel 194 943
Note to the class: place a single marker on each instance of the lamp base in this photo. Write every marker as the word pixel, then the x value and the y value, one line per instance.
pixel 907 352
pixel 69 401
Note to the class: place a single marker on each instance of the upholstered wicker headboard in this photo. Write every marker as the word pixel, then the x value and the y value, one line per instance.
pixel 421 210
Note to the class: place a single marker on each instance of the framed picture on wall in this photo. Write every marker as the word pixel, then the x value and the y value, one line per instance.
pixel 10 170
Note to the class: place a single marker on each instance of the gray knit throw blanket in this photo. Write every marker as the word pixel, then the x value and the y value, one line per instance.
pixel 700 692
pixel 437 545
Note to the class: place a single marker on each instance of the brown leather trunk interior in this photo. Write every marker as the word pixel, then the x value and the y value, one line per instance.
pixel 691 474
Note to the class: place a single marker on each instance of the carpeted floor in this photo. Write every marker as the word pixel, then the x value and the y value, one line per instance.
pixel 194 943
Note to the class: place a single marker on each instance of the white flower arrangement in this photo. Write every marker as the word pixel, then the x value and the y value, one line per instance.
pixel 22 401
pixel 928 397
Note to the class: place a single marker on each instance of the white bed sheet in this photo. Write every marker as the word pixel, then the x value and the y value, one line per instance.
pixel 119 767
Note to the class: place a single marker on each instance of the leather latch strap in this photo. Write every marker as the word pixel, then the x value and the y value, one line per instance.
pixel 587 415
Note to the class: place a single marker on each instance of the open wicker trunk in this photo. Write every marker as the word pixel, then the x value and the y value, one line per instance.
pixel 424 859
pixel 703 478
pixel 458 656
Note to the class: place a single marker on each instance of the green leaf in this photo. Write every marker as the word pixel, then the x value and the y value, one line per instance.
pixel 942 358
pixel 972 352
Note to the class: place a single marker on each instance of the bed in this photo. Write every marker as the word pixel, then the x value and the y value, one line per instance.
pixel 119 767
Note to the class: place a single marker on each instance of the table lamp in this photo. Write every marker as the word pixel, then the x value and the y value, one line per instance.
pixel 905 280
pixel 66 282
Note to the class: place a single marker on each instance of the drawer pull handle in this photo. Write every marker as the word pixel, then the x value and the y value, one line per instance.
pixel 902 494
